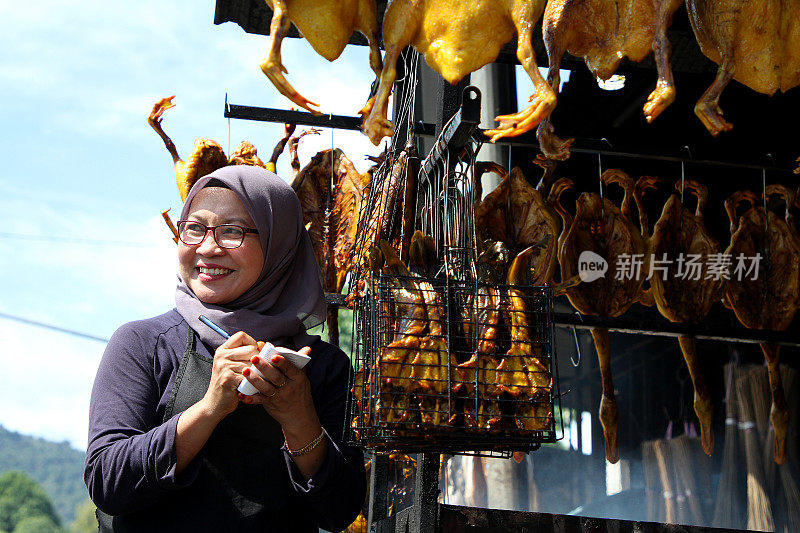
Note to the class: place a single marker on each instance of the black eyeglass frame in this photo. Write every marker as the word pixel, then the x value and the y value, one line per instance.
pixel 213 229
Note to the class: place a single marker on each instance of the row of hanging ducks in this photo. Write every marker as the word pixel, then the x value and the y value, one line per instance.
pixel 519 214
pixel 755 43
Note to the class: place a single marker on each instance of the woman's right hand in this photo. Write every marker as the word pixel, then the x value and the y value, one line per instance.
pixel 230 359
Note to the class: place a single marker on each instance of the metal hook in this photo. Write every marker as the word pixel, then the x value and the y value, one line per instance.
pixel 600 177
pixel 683 185
pixel 228 113
pixel 577 344
pixel 764 196
pixel 683 173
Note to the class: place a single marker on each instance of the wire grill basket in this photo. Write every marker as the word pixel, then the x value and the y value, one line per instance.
pixel 453 366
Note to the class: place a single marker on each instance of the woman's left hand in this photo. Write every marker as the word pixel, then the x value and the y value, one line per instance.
pixel 284 391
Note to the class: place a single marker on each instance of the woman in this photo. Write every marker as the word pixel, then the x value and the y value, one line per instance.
pixel 172 444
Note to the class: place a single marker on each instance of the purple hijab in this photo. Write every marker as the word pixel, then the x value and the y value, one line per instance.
pixel 287 297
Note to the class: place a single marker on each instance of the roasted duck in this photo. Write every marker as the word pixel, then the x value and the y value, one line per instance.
pixel 476 377
pixel 395 361
pixel 456 38
pixel 523 373
pixel 206 157
pixel 331 214
pixel 604 229
pixel 432 366
pixel 349 196
pixel 684 291
pixel 766 298
pixel 246 154
pixel 414 368
pixel 327 25
pixel 603 32
pixel 383 216
pixel 517 214
pixel 313 187
pixel 755 43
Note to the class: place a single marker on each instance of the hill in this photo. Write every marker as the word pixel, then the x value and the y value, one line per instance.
pixel 56 466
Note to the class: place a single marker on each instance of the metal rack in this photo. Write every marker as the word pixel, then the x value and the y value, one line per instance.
pixel 429 403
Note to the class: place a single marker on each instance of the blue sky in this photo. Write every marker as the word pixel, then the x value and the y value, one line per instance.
pixel 79 161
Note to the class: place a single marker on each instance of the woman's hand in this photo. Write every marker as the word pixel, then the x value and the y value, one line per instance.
pixel 284 391
pixel 230 359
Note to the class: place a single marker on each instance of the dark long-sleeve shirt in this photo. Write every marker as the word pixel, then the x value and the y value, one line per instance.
pixel 131 459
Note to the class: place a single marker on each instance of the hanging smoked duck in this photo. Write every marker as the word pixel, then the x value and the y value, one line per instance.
pixel 601 228
pixel 327 25
pixel 683 287
pixel 754 43
pixel 603 32
pixel 206 157
pixel 458 37
pixel 766 297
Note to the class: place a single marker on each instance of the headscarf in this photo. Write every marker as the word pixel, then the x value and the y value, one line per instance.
pixel 287 297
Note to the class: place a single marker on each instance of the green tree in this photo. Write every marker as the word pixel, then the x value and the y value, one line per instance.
pixel 37 524
pixel 85 519
pixel 21 498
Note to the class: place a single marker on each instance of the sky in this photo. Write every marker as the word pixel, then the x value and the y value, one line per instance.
pixel 84 179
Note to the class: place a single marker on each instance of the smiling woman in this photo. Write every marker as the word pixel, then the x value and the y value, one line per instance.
pixel 218 259
pixel 172 444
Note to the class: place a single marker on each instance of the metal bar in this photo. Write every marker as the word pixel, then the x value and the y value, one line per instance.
pixel 529 140
pixel 456 133
pixel 671 329
pixel 457 519
pixel 425 513
pixel 303 118
pixel 378 489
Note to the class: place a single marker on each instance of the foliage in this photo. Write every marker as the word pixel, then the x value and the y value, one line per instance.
pixel 37 524
pixel 56 466
pixel 85 519
pixel 22 498
pixel 345 331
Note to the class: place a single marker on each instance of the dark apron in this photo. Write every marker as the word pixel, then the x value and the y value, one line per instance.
pixel 243 483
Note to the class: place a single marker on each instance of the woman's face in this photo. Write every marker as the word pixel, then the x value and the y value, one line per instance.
pixel 220 275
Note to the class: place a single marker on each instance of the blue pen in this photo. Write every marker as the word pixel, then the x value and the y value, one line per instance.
pixel 205 320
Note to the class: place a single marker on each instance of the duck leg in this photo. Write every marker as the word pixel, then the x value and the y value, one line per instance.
pixel 707 108
pixel 664 93
pixel 779 412
pixel 543 99
pixel 609 415
pixel 702 398
pixel 272 65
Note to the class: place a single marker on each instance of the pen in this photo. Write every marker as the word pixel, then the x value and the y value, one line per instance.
pixel 205 320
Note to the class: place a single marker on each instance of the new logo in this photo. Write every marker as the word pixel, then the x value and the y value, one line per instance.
pixel 591 266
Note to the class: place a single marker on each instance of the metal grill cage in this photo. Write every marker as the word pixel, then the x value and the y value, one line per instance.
pixel 453 367
pixel 446 362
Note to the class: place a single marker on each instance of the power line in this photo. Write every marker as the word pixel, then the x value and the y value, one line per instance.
pixel 73 240
pixel 54 328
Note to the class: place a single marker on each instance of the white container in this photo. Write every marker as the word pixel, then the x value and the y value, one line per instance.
pixel 297 359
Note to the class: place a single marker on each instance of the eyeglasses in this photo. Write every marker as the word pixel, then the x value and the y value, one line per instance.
pixel 192 233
